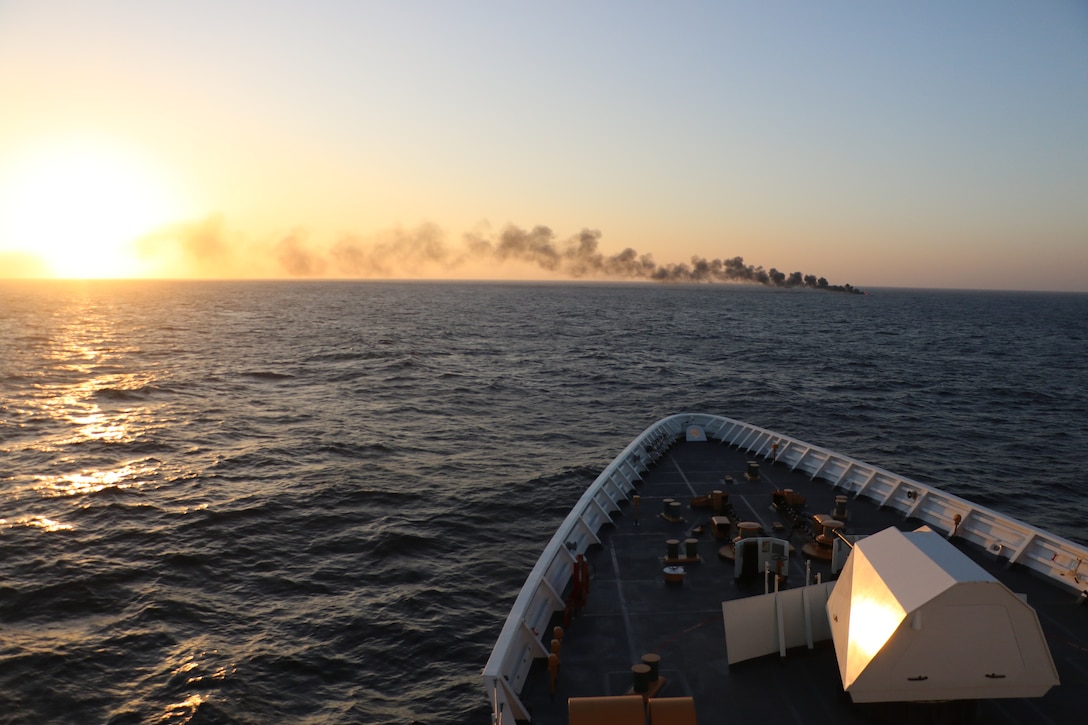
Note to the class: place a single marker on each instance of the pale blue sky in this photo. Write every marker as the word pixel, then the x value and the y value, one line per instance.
pixel 918 144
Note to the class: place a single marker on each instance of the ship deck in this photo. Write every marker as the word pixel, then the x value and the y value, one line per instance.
pixel 630 611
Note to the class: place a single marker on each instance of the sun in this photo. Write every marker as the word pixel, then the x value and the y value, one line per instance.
pixel 79 207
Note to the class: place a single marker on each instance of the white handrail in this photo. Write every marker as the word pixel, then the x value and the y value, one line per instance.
pixel 512 655
pixel 1045 553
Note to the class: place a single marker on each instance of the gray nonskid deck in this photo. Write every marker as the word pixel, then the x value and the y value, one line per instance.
pixel 631 611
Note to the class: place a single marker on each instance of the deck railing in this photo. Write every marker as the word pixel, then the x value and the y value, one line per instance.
pixel 521 639
pixel 1047 554
pixel 525 631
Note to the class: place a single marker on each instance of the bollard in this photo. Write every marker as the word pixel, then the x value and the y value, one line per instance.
pixel 641 676
pixel 652 661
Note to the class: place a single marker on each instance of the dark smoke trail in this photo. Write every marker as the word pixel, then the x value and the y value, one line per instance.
pixel 206 249
pixel 579 258
pixel 296 259
pixel 394 252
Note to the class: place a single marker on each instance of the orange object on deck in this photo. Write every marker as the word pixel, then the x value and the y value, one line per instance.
pixel 672 711
pixel 610 710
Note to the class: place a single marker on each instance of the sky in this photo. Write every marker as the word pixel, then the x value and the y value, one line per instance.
pixel 921 144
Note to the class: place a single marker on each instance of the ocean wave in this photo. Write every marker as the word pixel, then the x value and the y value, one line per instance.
pixel 138 393
pixel 267 375
pixel 356 450
pixel 335 534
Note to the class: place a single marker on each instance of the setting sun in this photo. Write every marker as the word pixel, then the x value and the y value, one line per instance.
pixel 79 207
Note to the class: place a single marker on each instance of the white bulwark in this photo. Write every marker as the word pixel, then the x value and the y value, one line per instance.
pixel 913 619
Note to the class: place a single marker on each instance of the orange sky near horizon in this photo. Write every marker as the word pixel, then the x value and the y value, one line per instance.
pixel 925 146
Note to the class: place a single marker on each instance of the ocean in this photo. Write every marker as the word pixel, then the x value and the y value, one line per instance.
pixel 314 502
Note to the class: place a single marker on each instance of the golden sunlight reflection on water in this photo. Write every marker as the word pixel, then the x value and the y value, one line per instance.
pixel 194 666
pixel 89 398
pixel 183 712
pixel 191 663
pixel 38 522
pixel 99 426
pixel 88 482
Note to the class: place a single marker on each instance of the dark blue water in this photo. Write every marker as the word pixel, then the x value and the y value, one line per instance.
pixel 315 502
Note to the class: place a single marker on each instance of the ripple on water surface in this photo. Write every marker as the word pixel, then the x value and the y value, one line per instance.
pixel 266 502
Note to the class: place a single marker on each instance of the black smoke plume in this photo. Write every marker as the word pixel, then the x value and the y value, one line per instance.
pixel 206 247
pixel 580 258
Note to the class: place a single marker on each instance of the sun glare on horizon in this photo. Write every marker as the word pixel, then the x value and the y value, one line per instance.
pixel 79 208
